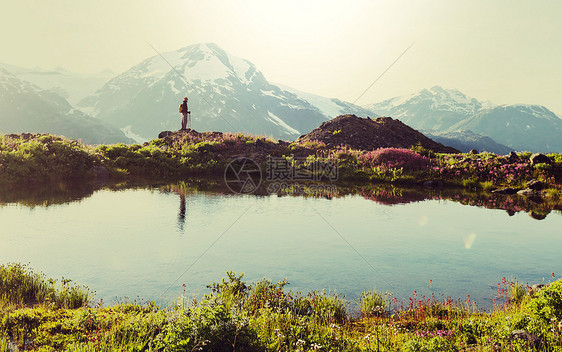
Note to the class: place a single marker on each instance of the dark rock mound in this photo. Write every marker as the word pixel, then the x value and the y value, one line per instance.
pixel 366 134
pixel 539 158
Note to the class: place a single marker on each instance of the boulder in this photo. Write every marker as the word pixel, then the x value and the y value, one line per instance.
pixel 535 289
pixel 473 151
pixel 530 340
pixel 526 192
pixel 513 157
pixel 165 134
pixel 538 158
pixel 536 185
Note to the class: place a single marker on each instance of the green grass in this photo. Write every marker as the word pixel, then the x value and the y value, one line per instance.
pixel 20 286
pixel 43 158
pixel 265 316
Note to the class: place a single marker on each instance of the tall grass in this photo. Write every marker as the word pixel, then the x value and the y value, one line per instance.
pixel 371 303
pixel 265 316
pixel 19 285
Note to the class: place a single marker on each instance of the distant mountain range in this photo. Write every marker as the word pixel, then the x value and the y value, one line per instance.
pixel 437 111
pixel 24 107
pixel 70 85
pixel 225 93
pixel 467 140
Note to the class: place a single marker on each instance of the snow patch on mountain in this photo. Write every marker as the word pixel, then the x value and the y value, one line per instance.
pixel 329 107
pixel 276 120
pixel 130 134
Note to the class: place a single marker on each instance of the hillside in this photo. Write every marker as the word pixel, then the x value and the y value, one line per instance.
pixel 72 86
pixel 467 140
pixel 24 107
pixel 370 134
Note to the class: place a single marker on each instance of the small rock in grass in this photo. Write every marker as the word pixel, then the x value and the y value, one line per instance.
pixel 536 289
pixel 530 340
pixel 539 158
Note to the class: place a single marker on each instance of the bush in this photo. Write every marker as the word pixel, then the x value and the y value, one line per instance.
pixel 323 307
pixel 40 158
pixel 209 327
pixel 548 304
pixel 371 304
pixel 394 158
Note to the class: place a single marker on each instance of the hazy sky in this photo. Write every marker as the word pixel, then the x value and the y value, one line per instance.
pixel 504 51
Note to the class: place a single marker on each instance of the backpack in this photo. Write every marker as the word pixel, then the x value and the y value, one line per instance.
pixel 180 108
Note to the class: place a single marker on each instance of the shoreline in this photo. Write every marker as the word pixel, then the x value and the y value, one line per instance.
pixel 268 317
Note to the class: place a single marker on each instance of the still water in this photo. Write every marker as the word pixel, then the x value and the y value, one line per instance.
pixel 146 243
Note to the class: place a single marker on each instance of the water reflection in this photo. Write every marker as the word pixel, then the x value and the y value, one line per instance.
pixel 131 242
pixel 387 194
pixel 181 215
pixel 44 195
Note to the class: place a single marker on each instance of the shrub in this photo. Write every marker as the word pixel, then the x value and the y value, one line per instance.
pixel 394 158
pixel 371 303
pixel 209 327
pixel 516 292
pixel 548 304
pixel 327 308
pixel 421 150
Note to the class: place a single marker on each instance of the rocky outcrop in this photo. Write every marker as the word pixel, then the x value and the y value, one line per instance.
pixel 539 158
pixel 369 134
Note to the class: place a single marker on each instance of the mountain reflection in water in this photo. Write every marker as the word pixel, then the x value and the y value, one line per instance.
pixel 387 194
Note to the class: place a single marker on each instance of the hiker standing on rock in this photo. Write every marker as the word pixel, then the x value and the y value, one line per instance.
pixel 185 112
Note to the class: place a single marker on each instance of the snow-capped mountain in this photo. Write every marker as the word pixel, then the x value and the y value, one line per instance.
pixel 24 107
pixel 467 140
pixel 429 109
pixel 520 127
pixel 71 85
pixel 226 93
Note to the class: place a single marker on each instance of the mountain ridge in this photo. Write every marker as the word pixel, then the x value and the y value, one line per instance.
pixel 522 127
pixel 25 107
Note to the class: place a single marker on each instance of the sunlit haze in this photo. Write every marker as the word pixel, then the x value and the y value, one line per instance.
pixel 505 51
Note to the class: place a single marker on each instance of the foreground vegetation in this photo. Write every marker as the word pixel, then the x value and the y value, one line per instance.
pixel 36 314
pixel 40 158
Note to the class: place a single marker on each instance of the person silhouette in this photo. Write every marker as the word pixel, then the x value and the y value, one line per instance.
pixel 184 111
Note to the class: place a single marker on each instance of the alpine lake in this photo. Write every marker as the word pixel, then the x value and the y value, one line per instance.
pixel 164 242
